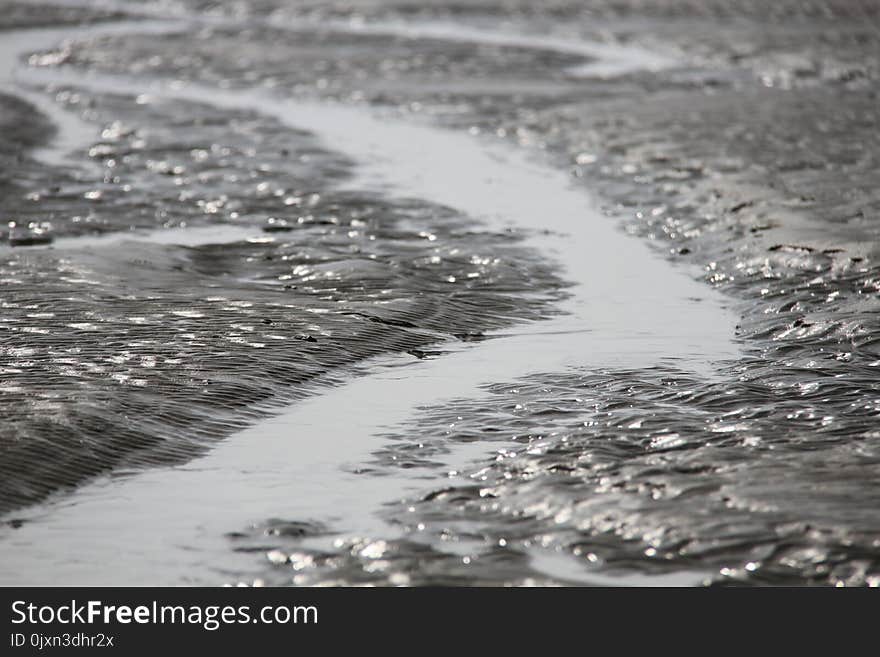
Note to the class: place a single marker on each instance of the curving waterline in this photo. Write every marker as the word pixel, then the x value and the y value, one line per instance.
pixel 628 308
pixel 73 134
pixel 602 59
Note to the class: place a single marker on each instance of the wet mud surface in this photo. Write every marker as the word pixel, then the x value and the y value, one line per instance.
pixel 135 353
pixel 749 153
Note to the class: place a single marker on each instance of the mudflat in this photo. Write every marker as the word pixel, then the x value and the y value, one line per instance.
pixel 440 293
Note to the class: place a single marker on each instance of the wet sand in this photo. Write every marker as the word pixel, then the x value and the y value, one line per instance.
pixel 549 399
pixel 296 463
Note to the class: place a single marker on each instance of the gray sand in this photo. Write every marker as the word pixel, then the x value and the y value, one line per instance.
pixel 738 140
